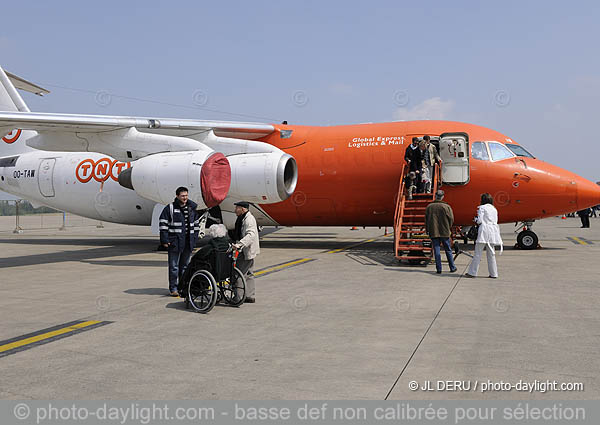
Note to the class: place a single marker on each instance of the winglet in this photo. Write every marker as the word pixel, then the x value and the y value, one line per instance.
pixel 28 86
pixel 10 99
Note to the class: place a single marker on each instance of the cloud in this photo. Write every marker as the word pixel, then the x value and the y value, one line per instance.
pixel 430 109
pixel 342 88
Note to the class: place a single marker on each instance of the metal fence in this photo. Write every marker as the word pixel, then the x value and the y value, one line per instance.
pixel 19 215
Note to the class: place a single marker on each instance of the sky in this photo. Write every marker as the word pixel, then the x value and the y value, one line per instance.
pixel 530 70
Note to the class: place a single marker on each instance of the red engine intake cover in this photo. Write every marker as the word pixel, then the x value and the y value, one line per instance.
pixel 215 179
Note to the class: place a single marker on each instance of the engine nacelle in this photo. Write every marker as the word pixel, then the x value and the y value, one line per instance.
pixel 206 174
pixel 263 178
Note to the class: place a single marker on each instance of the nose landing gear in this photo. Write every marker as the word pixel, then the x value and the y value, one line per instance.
pixel 526 239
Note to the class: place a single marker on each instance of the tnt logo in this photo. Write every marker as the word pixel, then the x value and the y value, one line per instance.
pixel 100 170
pixel 12 137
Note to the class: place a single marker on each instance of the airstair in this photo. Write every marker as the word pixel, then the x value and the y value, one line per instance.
pixel 411 242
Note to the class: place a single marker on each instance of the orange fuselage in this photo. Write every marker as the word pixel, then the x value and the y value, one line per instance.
pixel 349 175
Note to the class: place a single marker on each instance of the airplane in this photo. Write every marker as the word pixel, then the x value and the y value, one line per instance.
pixel 125 169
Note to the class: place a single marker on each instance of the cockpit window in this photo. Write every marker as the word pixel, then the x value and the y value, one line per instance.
pixel 519 150
pixel 499 151
pixel 479 151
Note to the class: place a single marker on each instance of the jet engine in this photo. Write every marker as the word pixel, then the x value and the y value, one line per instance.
pixel 205 173
pixel 263 178
pixel 211 177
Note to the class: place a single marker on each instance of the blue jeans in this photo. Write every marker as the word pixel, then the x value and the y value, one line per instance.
pixel 178 262
pixel 436 252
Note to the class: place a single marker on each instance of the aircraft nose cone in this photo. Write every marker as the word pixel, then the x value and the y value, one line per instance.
pixel 588 194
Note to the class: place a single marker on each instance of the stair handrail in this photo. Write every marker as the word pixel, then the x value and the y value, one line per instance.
pixel 401 188
pixel 399 213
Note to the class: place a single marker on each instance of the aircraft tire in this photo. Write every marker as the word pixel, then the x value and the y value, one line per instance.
pixel 527 240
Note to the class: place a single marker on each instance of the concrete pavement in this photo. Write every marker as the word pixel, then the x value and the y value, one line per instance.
pixel 351 324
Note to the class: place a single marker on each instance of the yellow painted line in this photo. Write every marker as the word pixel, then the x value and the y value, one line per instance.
pixel 282 266
pixel 333 251
pixel 47 335
pixel 580 241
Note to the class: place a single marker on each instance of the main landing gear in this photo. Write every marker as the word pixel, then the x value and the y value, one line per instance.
pixel 526 238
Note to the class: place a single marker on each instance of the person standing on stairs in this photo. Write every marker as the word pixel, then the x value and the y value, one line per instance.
pixel 432 153
pixel 412 156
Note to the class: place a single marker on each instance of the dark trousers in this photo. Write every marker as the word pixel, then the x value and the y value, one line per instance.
pixel 178 262
pixel 585 220
pixel 436 252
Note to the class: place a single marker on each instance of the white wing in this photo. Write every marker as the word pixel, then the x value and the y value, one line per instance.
pixel 123 138
pixel 130 138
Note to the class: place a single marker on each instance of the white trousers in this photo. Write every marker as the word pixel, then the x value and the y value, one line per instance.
pixel 491 259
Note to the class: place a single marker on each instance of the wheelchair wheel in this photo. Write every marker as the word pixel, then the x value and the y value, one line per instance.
pixel 202 291
pixel 233 289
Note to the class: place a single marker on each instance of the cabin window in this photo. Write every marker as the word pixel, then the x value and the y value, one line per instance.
pixel 519 150
pixel 499 151
pixel 479 151
pixel 285 134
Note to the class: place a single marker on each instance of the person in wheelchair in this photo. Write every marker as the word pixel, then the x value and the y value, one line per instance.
pixel 205 257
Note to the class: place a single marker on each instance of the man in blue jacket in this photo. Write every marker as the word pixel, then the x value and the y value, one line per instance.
pixel 179 226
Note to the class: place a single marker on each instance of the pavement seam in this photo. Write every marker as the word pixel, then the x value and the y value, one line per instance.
pixel 424 335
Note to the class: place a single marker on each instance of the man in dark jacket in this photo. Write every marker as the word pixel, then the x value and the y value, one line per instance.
pixel 412 156
pixel 179 226
pixel 438 224
pixel 584 215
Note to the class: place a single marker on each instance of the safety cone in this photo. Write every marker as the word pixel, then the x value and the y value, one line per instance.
pixel 354 228
pixel 564 217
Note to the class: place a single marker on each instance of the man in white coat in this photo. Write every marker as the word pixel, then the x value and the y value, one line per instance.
pixel 246 240
pixel 487 237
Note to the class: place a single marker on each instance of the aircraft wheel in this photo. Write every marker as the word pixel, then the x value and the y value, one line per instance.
pixel 527 240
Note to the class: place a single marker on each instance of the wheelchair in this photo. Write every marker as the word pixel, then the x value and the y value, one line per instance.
pixel 208 281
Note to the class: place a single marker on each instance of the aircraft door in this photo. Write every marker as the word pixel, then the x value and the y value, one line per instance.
pixel 46 177
pixel 454 151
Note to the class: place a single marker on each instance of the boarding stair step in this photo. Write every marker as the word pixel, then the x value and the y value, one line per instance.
pixel 411 240
pixel 413 257
pixel 414 248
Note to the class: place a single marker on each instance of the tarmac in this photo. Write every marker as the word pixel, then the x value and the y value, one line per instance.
pixel 85 315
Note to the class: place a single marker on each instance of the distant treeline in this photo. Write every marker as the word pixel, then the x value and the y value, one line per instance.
pixel 9 208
